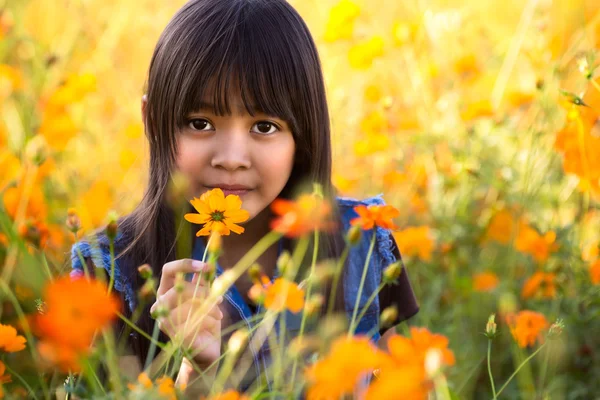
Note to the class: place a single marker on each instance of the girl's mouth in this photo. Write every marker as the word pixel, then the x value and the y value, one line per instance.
pixel 236 192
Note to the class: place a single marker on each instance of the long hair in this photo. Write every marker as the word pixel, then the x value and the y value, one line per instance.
pixel 263 46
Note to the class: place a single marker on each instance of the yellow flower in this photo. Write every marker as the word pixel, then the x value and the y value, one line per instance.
pixel 217 212
pixel 58 129
pixel 11 79
pixel 363 54
pixel 415 241
pixel 404 32
pixel 341 21
pixel 283 294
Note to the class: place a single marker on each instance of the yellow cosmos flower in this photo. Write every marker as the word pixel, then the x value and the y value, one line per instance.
pixel 217 213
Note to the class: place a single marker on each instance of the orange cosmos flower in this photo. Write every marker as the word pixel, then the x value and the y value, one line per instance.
pixel 529 241
pixel 229 395
pixel 501 227
pixel 75 310
pixel 370 216
pixel 3 378
pixel 218 213
pixel 526 327
pixel 283 294
pixel 415 241
pixel 540 284
pixel 485 282
pixel 9 340
pixel 338 373
pixel 402 373
pixel 595 272
pixel 297 218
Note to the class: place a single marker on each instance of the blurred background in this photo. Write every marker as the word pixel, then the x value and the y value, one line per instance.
pixel 478 119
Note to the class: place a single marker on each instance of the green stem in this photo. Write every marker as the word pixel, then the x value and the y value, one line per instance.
pixel 489 356
pixel 518 369
pixel 368 303
pixel 23 381
pixel 544 370
pixel 308 293
pixel 152 349
pixel 362 283
pixel 111 282
pixel 111 362
pixel 336 279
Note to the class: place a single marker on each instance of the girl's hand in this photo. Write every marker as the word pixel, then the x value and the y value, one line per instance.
pixel 199 332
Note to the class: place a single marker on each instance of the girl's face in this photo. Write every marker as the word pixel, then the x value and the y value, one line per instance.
pixel 244 155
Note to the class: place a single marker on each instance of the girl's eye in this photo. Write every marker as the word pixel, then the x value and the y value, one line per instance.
pixel 264 127
pixel 200 124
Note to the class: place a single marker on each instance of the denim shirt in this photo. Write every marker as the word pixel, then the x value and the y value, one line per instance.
pixel 382 256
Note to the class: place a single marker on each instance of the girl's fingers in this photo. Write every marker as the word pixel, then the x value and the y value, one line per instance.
pixel 170 270
pixel 172 298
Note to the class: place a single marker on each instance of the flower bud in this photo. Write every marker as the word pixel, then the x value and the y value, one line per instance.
pixel 354 235
pixel 392 273
pixel 556 329
pixel 36 150
pixel 285 263
pixel 433 361
pixel 147 290
pixel 179 284
pixel 145 271
pixel 112 228
pixel 160 312
pixel 178 190
pixel 255 272
pixel 491 327
pixel 389 316
pixel 73 221
pixel 238 340
pixel 314 304
pixel 257 294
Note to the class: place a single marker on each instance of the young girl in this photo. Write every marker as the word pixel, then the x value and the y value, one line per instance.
pixel 236 100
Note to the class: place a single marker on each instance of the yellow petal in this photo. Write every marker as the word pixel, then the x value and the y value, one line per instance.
pixel 236 215
pixel 233 202
pixel 197 218
pixel 216 200
pixel 200 205
pixel 220 227
pixel 235 228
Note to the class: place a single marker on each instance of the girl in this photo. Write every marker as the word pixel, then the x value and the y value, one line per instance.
pixel 236 100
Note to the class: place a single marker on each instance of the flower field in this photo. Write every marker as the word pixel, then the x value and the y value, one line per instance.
pixel 478 121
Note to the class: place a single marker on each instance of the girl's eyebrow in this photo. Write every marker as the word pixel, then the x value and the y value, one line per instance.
pixel 207 106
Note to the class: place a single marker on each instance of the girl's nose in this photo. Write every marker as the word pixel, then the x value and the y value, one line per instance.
pixel 231 151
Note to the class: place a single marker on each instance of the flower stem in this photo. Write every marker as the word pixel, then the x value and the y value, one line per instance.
pixel 489 356
pixel 111 281
pixel 369 301
pixel 544 370
pixel 362 284
pixel 23 381
pixel 518 369
pixel 152 349
pixel 336 279
pixel 308 293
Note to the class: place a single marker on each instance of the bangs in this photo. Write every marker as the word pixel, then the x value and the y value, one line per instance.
pixel 248 63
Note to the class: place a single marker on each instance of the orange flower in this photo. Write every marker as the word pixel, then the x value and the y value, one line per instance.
pixel 9 340
pixel 595 272
pixel 283 294
pixel 529 241
pixel 541 284
pixel 526 327
pixel 230 395
pixel 337 374
pixel 3 378
pixel 81 303
pixel 501 227
pixel 166 387
pixel 217 212
pixel 415 241
pixel 485 282
pixel 380 215
pixel 143 381
pixel 297 218
pixel 402 373
pixel 35 204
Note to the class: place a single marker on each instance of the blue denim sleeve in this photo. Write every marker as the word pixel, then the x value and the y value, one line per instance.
pixel 98 254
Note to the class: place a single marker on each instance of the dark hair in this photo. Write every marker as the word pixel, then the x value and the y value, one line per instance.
pixel 263 46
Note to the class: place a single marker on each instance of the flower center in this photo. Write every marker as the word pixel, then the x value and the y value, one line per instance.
pixel 217 216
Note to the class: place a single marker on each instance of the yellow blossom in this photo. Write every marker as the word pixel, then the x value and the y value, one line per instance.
pixel 362 54
pixel 340 24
